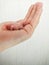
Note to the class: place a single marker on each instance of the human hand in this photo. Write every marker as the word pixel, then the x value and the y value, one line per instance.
pixel 20 30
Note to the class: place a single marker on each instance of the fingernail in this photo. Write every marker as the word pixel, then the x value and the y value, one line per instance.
pixel 39 4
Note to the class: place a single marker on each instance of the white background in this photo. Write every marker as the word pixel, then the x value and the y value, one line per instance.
pixel 34 51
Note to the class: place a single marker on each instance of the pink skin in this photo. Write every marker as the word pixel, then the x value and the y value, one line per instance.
pixel 21 29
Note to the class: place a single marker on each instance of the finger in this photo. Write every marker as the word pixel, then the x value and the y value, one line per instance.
pixel 32 13
pixel 37 15
pixel 10 26
pixel 23 22
pixel 19 24
pixel 5 25
pixel 28 28
pixel 29 12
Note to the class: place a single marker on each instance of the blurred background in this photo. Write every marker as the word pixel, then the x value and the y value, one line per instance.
pixel 34 51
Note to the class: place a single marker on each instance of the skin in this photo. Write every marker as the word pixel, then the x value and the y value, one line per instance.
pixel 20 30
